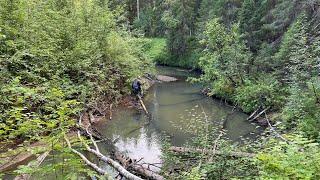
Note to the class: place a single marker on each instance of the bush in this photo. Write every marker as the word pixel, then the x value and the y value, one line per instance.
pixel 264 93
pixel 297 160
pixel 61 55
pixel 302 110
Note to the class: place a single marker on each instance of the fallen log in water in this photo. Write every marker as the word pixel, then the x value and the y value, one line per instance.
pixel 106 159
pixel 127 163
pixel 143 106
pixel 209 151
pixel 138 168
pixel 12 163
pixel 258 115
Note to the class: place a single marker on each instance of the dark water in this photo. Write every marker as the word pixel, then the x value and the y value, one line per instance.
pixel 179 112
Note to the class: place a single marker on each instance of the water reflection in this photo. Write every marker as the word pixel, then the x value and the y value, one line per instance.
pixel 178 110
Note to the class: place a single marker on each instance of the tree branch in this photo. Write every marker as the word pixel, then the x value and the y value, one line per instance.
pixel 208 151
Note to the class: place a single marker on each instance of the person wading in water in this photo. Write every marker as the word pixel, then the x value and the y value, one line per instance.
pixel 137 91
pixel 136 88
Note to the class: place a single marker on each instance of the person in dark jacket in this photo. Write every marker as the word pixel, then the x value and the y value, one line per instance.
pixel 136 88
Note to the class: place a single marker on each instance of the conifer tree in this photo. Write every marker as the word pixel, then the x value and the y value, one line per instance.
pixel 292 57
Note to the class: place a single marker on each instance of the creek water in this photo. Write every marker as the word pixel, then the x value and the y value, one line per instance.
pixel 178 112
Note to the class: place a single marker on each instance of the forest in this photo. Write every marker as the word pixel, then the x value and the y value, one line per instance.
pixel 64 63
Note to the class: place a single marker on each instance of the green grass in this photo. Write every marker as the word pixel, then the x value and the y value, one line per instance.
pixel 156 48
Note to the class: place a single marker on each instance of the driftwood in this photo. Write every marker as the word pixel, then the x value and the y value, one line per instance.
pixel 142 104
pixel 138 168
pixel 106 159
pixel 22 157
pixel 255 112
pixel 258 115
pixel 274 130
pixel 208 151
pixel 89 163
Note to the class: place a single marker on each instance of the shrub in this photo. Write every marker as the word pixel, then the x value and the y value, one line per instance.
pixel 264 93
pixel 297 160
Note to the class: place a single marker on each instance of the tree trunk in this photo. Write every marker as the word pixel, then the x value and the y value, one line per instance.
pixel 127 162
pixel 209 151
pixel 138 9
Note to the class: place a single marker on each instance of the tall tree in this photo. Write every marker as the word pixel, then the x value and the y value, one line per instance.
pixel 179 20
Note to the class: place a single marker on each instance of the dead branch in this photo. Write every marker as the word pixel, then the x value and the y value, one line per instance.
pixel 110 161
pixel 274 130
pixel 137 167
pixel 40 159
pixel 91 117
pixel 142 104
pixel 89 163
pixel 253 114
pixel 110 112
pixel 257 116
pixel 92 140
pixel 207 151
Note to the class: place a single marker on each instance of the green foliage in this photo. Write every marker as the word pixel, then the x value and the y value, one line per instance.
pixel 155 49
pixel 58 58
pixel 61 55
pixel 302 110
pixel 179 20
pixel 297 160
pixel 293 56
pixel 225 61
pixel 32 111
pixel 264 93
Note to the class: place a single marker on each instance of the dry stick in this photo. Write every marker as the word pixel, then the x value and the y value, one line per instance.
pixel 91 117
pixel 89 163
pixel 257 116
pixel 92 140
pixel 138 168
pixel 142 104
pixel 152 164
pixel 110 161
pixel 253 114
pixel 208 151
pixel 273 129
pixel 110 112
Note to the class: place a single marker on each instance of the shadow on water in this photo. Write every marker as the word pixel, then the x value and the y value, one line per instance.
pixel 175 111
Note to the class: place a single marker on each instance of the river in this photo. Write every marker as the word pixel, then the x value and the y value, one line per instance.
pixel 178 112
